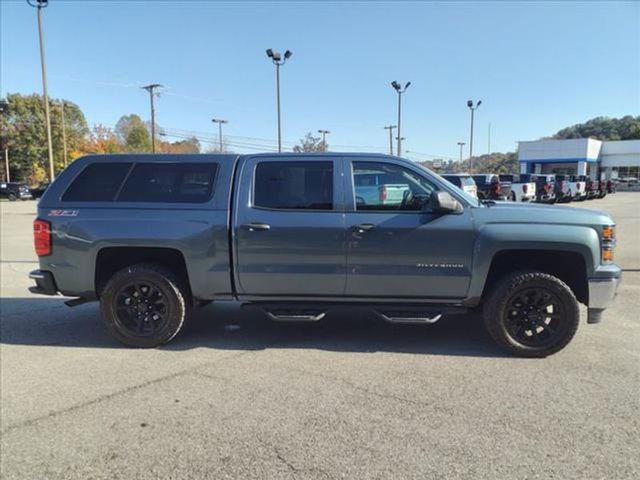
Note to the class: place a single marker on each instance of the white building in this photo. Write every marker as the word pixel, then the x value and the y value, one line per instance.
pixel 582 156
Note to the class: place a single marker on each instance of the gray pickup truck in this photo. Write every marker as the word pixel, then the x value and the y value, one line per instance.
pixel 153 236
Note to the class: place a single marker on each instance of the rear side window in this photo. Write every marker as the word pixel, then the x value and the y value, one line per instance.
pixel 457 181
pixel 294 185
pixel 169 183
pixel 99 182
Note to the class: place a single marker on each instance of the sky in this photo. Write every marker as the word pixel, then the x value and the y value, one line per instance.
pixel 536 66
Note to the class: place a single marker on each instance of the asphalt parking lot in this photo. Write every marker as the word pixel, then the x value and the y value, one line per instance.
pixel 237 396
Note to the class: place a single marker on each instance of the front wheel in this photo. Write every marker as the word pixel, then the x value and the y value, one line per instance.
pixel 143 306
pixel 531 314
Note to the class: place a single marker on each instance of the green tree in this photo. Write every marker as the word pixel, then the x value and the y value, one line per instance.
pixel 25 131
pixel 133 134
pixel 604 128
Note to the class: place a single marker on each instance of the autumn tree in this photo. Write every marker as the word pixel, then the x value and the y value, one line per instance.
pixel 133 134
pixel 310 144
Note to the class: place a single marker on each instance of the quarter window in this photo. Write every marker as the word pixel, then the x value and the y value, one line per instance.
pixel 169 183
pixel 99 182
pixel 389 187
pixel 294 185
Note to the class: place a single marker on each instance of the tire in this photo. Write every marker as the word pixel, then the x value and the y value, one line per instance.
pixel 517 319
pixel 134 297
pixel 12 197
pixel 512 197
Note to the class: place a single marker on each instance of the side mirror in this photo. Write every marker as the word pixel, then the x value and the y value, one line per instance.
pixel 443 202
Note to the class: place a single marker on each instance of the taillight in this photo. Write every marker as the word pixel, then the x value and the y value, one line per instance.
pixel 547 187
pixel 42 237
pixel 496 188
pixel 382 191
pixel 525 188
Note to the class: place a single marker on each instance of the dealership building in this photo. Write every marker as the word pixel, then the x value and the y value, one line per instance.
pixel 618 159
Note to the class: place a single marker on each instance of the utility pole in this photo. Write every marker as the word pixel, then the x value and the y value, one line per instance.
pixel 278 61
pixel 489 140
pixel 40 4
pixel 219 122
pixel 64 134
pixel 400 91
pixel 324 139
pixel 390 128
pixel 461 145
pixel 4 110
pixel 150 88
pixel 473 109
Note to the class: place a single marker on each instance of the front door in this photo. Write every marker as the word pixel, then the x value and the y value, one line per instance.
pixel 289 227
pixel 397 247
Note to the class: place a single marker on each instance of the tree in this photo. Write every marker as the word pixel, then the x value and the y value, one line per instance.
pixel 24 126
pixel 188 145
pixel 604 128
pixel 133 134
pixel 310 144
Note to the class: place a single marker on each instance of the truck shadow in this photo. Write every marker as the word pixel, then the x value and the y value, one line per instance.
pixel 48 322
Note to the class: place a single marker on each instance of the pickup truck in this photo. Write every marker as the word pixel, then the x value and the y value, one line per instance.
pixel 154 236
pixel 523 186
pixel 578 187
pixel 545 188
pixel 490 187
pixel 463 181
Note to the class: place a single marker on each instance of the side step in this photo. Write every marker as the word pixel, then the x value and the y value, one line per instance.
pixel 411 317
pixel 295 315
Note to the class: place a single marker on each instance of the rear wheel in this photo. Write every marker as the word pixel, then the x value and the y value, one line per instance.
pixel 512 197
pixel 12 197
pixel 143 306
pixel 531 314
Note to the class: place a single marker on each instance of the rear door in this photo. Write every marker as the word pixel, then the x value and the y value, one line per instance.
pixel 401 250
pixel 289 230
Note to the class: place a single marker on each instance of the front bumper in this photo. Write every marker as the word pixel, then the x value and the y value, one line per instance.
pixel 602 291
pixel 45 283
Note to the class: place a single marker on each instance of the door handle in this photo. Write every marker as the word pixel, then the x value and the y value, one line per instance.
pixel 364 227
pixel 256 226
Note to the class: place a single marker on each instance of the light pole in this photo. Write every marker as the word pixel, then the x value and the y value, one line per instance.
pixel 4 111
pixel 150 88
pixel 64 133
pixel 399 140
pixel 461 145
pixel 390 128
pixel 278 61
pixel 398 88
pixel 324 139
pixel 219 121
pixel 473 109
pixel 40 4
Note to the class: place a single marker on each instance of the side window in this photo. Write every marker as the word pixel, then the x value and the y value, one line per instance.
pixel 169 183
pixel 294 185
pixel 394 188
pixel 99 182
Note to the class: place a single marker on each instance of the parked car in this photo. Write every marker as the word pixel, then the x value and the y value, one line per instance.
pixel 523 186
pixel 545 188
pixel 154 236
pixel 491 188
pixel 38 191
pixel 578 187
pixel 375 188
pixel 563 189
pixel 14 191
pixel 463 181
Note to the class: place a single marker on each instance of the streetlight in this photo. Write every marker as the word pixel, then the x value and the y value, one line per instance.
pixel 4 110
pixel 219 121
pixel 400 139
pixel 461 145
pixel 390 128
pixel 324 139
pixel 40 4
pixel 278 61
pixel 398 88
pixel 150 88
pixel 473 109
pixel 64 133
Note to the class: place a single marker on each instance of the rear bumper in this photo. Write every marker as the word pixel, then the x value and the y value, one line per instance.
pixel 45 283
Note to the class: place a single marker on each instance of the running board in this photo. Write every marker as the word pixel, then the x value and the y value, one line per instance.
pixel 294 315
pixel 410 317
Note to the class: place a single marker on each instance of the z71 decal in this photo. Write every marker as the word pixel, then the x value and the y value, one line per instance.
pixel 64 213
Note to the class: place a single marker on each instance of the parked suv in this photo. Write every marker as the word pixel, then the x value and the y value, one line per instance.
pixel 14 191
pixel 463 181
pixel 154 236
pixel 545 188
pixel 491 188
